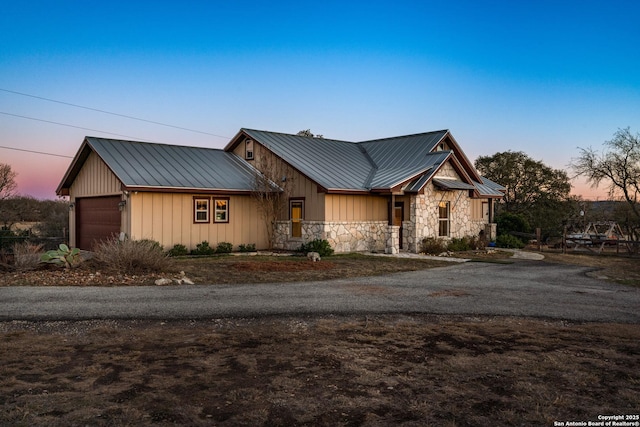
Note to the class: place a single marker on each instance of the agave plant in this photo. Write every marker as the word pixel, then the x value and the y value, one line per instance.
pixel 63 256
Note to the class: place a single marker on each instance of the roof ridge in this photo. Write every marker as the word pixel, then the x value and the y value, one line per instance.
pixel 153 143
pixel 299 136
pixel 402 136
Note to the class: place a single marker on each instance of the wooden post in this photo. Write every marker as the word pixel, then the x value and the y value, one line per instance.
pixel 564 240
pixel 538 237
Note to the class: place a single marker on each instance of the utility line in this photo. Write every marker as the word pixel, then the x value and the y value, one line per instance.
pixel 71 126
pixel 37 152
pixel 112 113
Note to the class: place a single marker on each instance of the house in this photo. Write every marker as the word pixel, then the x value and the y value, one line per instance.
pixel 380 195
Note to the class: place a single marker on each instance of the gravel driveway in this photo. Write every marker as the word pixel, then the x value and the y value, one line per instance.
pixel 522 288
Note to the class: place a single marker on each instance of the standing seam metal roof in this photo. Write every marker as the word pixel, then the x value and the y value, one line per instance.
pixel 141 164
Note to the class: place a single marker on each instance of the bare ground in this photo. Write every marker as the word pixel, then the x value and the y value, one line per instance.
pixel 385 370
pixel 333 371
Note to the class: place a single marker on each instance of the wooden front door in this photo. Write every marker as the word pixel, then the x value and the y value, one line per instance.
pixel 297 215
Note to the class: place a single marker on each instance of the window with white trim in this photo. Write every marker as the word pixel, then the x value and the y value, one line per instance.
pixel 201 209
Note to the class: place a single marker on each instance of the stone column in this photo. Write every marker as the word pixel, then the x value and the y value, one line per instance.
pixel 393 240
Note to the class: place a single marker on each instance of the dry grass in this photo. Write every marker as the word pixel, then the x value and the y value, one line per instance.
pixel 387 370
pixel 221 270
pixel 621 269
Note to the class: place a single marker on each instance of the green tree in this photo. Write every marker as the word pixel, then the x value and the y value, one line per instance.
pixel 617 166
pixel 534 190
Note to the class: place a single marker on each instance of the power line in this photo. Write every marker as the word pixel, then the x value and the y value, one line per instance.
pixel 112 113
pixel 71 126
pixel 36 152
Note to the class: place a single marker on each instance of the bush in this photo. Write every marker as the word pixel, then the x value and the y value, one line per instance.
pixel 131 256
pixel 178 250
pixel 26 256
pixel 459 245
pixel 433 246
pixel 509 241
pixel 224 248
pixel 203 249
pixel 507 222
pixel 251 247
pixel 322 246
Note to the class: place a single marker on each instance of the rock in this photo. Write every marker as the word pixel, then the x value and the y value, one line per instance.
pixel 313 256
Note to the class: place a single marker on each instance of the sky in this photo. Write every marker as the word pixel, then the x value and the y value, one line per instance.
pixel 542 77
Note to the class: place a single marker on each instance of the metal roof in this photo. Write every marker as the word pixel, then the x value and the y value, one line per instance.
pixel 362 166
pixel 452 184
pixel 149 165
pixel 334 164
pixel 488 188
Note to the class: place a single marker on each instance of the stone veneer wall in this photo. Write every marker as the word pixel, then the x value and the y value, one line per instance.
pixel 344 236
pixel 424 219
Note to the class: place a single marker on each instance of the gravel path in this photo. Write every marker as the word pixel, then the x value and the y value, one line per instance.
pixel 523 288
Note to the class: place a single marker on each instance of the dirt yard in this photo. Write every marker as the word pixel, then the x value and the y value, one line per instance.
pixel 327 371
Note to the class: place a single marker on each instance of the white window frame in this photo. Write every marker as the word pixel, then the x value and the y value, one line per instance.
pixel 206 209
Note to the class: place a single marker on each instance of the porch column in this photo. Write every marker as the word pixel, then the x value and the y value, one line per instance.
pixel 393 240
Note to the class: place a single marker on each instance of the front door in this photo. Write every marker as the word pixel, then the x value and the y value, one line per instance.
pixel 297 215
pixel 398 217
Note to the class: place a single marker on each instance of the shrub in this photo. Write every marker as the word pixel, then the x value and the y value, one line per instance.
pixel 508 222
pixel 459 245
pixel 63 256
pixel 251 247
pixel 26 256
pixel 224 248
pixel 203 249
pixel 131 256
pixel 322 246
pixel 431 245
pixel 178 250
pixel 509 241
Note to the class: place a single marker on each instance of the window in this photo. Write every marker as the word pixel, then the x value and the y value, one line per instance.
pixel 200 210
pixel 221 210
pixel 443 219
pixel 248 149
pixel 297 215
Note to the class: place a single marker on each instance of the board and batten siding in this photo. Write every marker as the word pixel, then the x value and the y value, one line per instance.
pixel 299 186
pixel 95 179
pixel 341 207
pixel 168 218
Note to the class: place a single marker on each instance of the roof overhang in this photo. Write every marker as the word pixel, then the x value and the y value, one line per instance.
pixel 450 184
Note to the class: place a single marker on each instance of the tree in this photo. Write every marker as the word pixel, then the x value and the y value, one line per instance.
pixel 307 132
pixel 272 186
pixel 7 181
pixel 533 189
pixel 617 166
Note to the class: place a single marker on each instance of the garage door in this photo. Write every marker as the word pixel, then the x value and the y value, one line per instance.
pixel 97 218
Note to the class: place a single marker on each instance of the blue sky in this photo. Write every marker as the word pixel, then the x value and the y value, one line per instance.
pixel 543 77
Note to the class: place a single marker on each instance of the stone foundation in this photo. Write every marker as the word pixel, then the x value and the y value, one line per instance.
pixel 343 236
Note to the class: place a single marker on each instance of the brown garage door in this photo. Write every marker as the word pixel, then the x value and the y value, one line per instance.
pixel 97 218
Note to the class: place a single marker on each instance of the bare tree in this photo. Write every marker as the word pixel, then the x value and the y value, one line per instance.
pixel 7 181
pixel 618 166
pixel 272 187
